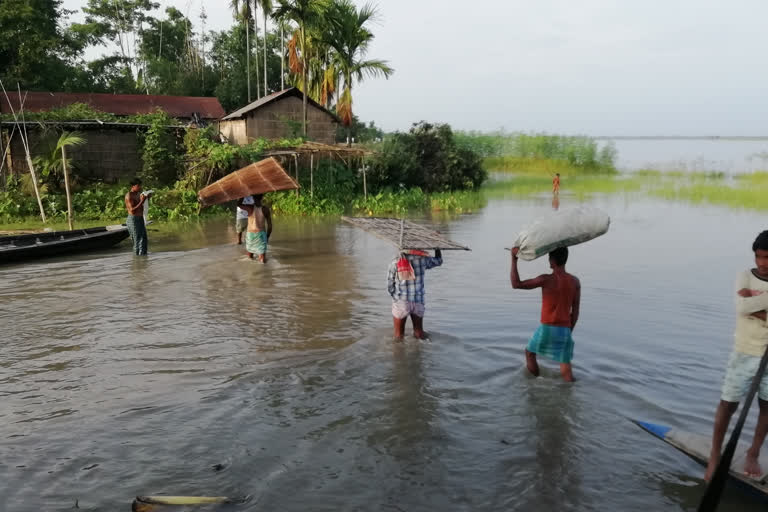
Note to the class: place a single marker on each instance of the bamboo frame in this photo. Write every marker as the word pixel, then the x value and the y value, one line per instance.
pixel 405 235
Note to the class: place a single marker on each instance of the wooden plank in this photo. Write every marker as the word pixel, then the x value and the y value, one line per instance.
pixel 405 235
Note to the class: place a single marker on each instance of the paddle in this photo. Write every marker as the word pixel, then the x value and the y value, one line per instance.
pixel 714 489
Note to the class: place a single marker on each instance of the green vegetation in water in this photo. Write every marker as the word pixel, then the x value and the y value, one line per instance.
pixel 541 153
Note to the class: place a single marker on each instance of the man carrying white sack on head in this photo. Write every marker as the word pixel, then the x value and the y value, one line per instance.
pixel 560 300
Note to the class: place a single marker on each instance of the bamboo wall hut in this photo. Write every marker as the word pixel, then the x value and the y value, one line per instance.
pixel 277 116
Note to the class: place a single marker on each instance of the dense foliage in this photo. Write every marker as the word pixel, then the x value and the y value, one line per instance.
pixel 427 157
pixel 319 45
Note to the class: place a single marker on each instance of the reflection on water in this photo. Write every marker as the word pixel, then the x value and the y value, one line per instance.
pixel 196 371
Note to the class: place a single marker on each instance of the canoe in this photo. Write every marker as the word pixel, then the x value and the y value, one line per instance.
pixel 697 447
pixel 16 248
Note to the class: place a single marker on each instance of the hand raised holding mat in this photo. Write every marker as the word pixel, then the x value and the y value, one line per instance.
pixel 562 228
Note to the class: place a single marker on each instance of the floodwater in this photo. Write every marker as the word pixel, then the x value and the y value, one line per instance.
pixel 731 156
pixel 196 372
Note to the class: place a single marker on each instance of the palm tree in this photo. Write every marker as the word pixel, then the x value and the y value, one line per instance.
pixel 57 161
pixel 348 35
pixel 306 13
pixel 266 7
pixel 66 140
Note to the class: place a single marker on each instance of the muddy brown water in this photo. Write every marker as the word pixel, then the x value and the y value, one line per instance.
pixel 194 371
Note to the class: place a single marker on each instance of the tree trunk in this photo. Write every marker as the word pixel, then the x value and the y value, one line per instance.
pixel 304 67
pixel 66 186
pixel 282 57
pixel 266 86
pixel 248 57
pixel 256 45
pixel 351 116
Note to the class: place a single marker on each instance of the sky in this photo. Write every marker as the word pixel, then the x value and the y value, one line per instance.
pixel 594 67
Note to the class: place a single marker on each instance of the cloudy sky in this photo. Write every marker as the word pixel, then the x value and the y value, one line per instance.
pixel 598 67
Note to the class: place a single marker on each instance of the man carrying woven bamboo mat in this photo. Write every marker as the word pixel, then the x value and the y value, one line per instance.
pixel 259 227
pixel 405 283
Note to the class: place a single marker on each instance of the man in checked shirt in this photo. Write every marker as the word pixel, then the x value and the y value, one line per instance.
pixel 405 283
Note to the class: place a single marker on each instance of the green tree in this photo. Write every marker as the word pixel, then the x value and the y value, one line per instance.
pixel 227 57
pixel 35 51
pixel 118 22
pixel 349 36
pixel 306 14
pixel 174 62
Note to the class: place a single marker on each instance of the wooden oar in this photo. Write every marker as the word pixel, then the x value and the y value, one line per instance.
pixel 148 503
pixel 714 489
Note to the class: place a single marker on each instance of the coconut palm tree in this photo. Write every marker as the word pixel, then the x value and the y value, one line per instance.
pixel 306 14
pixel 348 35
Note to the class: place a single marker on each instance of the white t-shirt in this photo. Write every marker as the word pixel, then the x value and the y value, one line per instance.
pixel 751 333
pixel 243 214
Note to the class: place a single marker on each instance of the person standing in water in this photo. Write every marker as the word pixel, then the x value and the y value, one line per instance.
pixel 241 220
pixel 259 227
pixel 134 203
pixel 405 284
pixel 556 184
pixel 750 342
pixel 560 302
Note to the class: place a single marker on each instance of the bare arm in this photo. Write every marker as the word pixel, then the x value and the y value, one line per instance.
pixel 528 284
pixel 268 219
pixel 576 304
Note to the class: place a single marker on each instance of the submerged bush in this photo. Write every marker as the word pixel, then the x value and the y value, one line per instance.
pixel 426 157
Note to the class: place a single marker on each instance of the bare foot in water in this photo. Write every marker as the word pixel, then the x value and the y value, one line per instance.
pixel 752 467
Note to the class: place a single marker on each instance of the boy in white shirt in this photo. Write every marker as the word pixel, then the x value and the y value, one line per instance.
pixel 750 341
pixel 241 220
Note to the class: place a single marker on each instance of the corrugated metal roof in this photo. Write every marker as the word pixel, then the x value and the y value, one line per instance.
pixel 71 124
pixel 119 104
pixel 293 91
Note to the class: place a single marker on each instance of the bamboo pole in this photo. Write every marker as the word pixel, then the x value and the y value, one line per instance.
pixel 365 184
pixel 66 186
pixel 312 175
pixel 296 169
pixel 25 143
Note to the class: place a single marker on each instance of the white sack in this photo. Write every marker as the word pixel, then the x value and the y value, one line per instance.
pixel 562 228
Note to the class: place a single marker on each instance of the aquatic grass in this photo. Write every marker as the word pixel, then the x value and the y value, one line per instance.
pixel 722 194
pixel 755 178
pixel 542 153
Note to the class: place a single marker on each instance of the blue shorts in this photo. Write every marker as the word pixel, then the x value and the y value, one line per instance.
pixel 742 368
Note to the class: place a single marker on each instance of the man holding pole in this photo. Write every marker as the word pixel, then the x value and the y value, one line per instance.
pixel 750 343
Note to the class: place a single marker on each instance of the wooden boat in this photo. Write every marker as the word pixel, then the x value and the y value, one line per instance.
pixel 697 447
pixel 15 248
